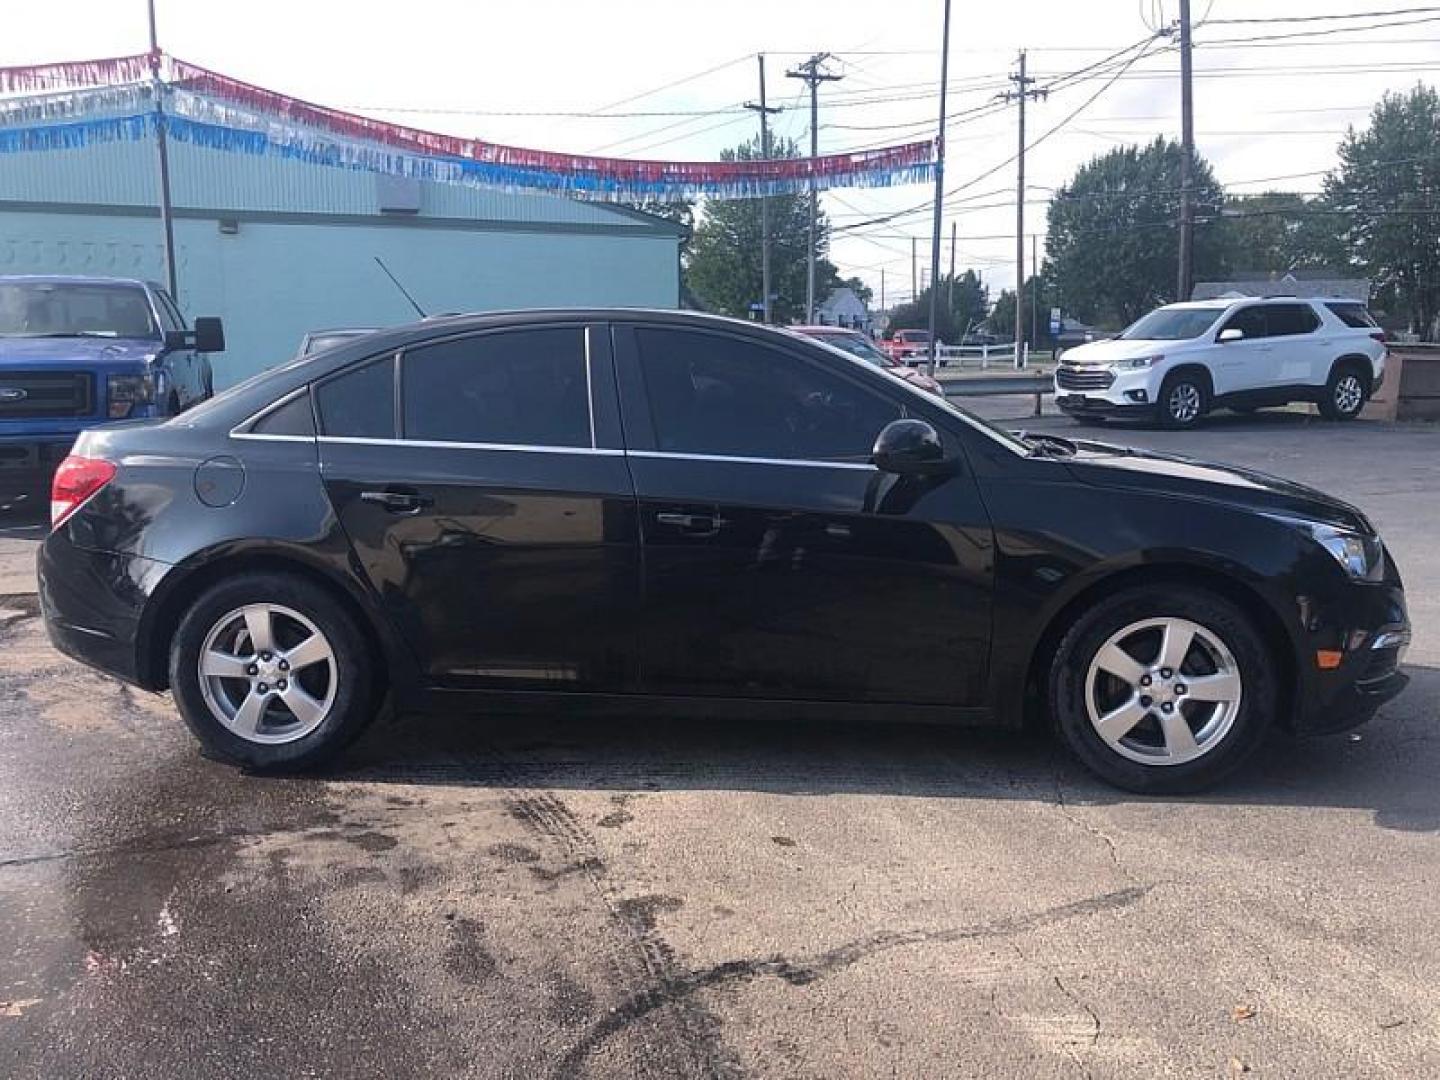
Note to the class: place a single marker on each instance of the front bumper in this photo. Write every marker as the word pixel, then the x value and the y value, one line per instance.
pixel 1075 403
pixel 1368 628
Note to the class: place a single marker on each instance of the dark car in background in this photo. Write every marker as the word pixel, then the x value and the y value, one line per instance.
pixel 662 510
pixel 78 351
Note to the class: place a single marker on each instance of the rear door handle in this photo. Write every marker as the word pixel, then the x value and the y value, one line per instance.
pixel 398 502
pixel 698 523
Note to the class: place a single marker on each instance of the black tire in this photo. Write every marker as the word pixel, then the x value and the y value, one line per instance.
pixel 354 702
pixel 1346 392
pixel 1189 388
pixel 1227 748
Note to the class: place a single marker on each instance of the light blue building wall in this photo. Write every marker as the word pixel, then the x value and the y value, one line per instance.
pixel 278 248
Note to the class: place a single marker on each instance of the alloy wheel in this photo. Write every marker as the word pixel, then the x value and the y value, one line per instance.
pixel 1184 403
pixel 1349 394
pixel 267 673
pixel 1163 691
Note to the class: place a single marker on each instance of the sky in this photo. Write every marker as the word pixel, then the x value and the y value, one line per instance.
pixel 668 78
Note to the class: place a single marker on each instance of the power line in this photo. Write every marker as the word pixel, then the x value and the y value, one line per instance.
pixel 1324 18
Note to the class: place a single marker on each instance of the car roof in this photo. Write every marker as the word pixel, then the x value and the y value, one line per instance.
pixel 822 329
pixel 72 279
pixel 1220 303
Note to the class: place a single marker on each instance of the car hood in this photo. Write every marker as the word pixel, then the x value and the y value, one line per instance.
pixel 1109 466
pixel 23 352
pixel 1107 352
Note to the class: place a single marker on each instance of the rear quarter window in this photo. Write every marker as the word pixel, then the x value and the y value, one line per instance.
pixel 1356 316
pixel 292 418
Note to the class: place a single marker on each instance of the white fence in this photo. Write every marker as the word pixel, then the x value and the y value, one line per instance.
pixel 975 356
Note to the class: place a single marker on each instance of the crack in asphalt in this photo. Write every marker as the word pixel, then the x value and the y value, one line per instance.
pixel 802 973
pixel 1082 824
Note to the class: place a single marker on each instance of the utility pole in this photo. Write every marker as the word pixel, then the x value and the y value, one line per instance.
pixel 765 113
pixel 1035 293
pixel 882 289
pixel 1020 94
pixel 167 224
pixel 813 76
pixel 950 300
pixel 939 187
pixel 914 271
pixel 1187 153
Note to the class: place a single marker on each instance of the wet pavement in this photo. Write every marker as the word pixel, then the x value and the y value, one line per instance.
pixel 506 896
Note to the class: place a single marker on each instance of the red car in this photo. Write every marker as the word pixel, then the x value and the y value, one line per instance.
pixel 857 344
pixel 909 346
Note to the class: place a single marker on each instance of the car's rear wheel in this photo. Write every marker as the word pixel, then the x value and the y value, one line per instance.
pixel 1162 688
pixel 271 672
pixel 1345 393
pixel 1184 399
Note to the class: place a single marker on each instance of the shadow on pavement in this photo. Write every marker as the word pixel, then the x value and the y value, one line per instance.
pixel 1389 769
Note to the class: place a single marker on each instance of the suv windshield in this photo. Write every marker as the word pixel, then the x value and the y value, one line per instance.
pixel 1171 324
pixel 55 309
pixel 917 336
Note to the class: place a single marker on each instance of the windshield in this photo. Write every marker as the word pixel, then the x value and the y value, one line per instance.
pixel 57 309
pixel 920 337
pixel 1171 324
pixel 858 346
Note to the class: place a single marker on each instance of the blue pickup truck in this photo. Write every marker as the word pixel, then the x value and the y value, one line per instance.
pixel 80 351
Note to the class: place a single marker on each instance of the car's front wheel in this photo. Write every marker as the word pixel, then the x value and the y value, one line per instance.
pixel 1162 688
pixel 1184 399
pixel 271 672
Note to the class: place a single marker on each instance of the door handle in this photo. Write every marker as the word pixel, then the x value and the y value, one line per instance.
pixel 703 523
pixel 398 502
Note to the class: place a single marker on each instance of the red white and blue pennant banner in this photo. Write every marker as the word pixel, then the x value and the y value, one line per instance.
pixel 73 104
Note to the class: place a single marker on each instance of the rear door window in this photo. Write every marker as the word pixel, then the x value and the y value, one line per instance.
pixel 1356 316
pixel 712 394
pixel 1285 320
pixel 511 387
pixel 359 403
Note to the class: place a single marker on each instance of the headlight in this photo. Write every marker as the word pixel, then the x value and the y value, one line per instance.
pixel 127 391
pixel 1136 362
pixel 1362 557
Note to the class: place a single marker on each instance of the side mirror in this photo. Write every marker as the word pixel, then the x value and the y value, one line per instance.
pixel 909 447
pixel 209 334
pixel 1229 334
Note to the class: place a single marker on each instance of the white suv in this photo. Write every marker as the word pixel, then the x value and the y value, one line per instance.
pixel 1182 360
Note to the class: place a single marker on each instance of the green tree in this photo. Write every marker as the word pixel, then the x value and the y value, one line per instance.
pixel 960 308
pixel 1274 232
pixel 1038 295
pixel 724 267
pixel 679 211
pixel 1112 245
pixel 1384 202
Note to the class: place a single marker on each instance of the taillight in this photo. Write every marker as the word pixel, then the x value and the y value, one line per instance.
pixel 76 480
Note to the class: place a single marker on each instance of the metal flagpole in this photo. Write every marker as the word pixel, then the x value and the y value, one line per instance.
pixel 939 186
pixel 167 222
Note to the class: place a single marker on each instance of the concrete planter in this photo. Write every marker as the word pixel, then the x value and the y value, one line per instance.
pixel 1412 385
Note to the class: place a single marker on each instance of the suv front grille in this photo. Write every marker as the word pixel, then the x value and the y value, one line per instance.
pixel 1076 378
pixel 28 395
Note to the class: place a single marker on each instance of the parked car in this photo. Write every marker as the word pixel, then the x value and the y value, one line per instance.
pixel 660 510
pixel 1182 360
pixel 77 351
pixel 857 344
pixel 909 346
pixel 317 340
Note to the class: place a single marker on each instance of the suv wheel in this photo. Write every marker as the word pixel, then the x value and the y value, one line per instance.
pixel 270 672
pixel 1162 689
pixel 1345 394
pixel 1184 399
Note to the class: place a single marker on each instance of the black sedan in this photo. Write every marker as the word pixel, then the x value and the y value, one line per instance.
pixel 654 509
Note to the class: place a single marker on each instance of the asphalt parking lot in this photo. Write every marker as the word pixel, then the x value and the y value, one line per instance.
pixel 502 896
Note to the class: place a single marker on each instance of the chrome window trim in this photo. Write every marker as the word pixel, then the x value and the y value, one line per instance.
pixel 434 444
pixel 808 463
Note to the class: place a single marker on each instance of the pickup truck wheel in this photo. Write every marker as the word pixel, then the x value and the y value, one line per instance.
pixel 1184 399
pixel 1345 394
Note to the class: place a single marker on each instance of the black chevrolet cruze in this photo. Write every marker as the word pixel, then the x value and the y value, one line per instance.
pixel 656 509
